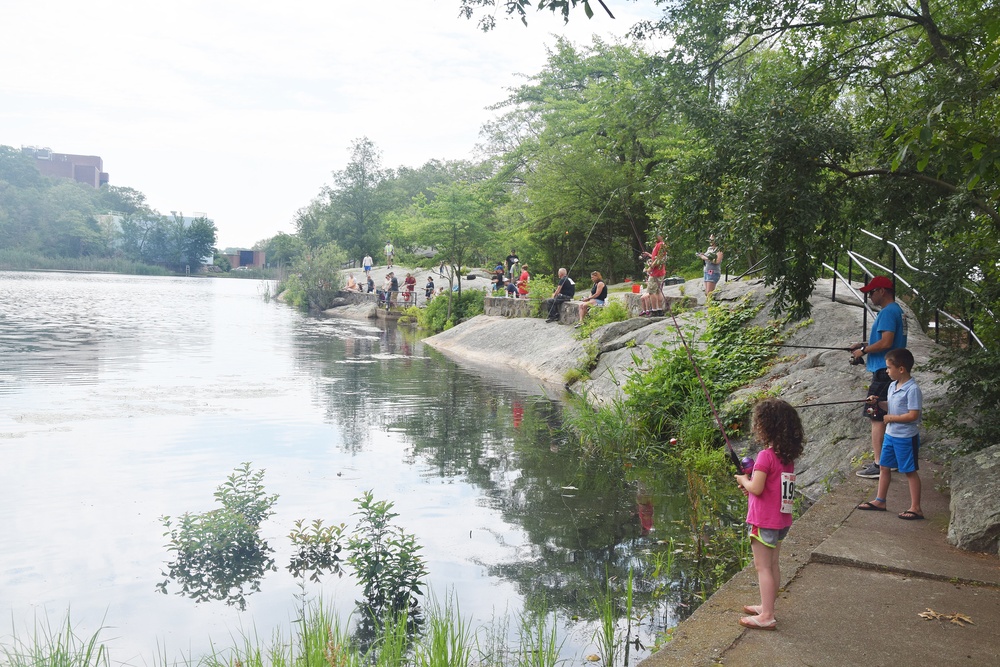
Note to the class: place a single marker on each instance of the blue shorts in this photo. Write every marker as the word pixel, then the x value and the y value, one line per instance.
pixel 900 453
pixel 712 276
pixel 769 537
pixel 599 302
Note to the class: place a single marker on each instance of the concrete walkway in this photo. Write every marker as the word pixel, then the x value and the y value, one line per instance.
pixel 853 584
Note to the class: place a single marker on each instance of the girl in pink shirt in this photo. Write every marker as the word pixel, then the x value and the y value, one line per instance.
pixel 771 491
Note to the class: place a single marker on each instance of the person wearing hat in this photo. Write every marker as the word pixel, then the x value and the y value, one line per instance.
pixel 888 333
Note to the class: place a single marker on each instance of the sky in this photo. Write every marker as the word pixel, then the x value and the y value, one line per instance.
pixel 241 110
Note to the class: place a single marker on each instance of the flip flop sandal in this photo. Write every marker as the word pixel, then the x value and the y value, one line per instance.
pixel 910 516
pixel 870 507
pixel 752 623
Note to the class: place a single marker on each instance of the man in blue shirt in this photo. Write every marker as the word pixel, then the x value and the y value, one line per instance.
pixel 888 333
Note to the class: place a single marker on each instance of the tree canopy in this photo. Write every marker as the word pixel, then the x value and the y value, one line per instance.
pixel 53 217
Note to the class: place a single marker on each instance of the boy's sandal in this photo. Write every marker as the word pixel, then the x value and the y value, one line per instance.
pixel 871 507
pixel 910 515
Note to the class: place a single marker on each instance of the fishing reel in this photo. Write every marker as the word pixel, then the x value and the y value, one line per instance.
pixel 857 361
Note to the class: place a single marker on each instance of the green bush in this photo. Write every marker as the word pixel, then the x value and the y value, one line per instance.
pixel 597 317
pixel 295 292
pixel 435 317
pixel 219 554
pixel 385 559
pixel 666 399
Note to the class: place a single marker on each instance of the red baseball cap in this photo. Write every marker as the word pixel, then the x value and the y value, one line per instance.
pixel 878 282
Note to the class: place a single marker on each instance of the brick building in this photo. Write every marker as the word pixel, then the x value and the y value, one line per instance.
pixel 87 169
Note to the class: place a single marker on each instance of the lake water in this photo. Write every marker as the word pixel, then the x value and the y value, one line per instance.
pixel 124 399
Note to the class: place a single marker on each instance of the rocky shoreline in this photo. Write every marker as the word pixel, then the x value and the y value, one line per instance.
pixel 838 435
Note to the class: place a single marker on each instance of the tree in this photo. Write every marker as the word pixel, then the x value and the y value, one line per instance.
pixel 282 249
pixel 519 8
pixel 455 224
pixel 577 148
pixel 199 241
pixel 18 169
pixel 319 275
pixel 123 200
pixel 357 201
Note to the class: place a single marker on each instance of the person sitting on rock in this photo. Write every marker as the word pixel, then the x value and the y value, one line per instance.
pixel 565 290
pixel 598 296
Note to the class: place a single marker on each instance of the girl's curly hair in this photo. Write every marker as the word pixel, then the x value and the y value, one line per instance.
pixel 776 423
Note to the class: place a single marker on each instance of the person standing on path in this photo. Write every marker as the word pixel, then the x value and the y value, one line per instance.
pixel 713 265
pixel 901 445
pixel 888 332
pixel 393 290
pixel 411 285
pixel 522 282
pixel 390 252
pixel 510 263
pixel 654 284
pixel 771 494
pixel 367 264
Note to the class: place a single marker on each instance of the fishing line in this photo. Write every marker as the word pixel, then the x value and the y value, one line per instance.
pixel 592 227
pixel 733 457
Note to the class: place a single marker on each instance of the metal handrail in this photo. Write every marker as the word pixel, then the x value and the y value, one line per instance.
pixel 865 263
pixel 899 251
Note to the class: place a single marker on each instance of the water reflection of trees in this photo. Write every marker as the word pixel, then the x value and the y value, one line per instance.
pixel 512 446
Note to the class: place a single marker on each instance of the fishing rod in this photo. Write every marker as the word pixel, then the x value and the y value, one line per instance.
pixel 733 456
pixel 807 347
pixel 813 405
pixel 853 361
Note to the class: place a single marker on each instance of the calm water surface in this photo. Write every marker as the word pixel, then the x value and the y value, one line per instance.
pixel 124 399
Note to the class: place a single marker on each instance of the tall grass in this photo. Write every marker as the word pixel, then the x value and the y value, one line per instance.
pixel 319 639
pixel 538 643
pixel 51 646
pixel 21 260
pixel 447 641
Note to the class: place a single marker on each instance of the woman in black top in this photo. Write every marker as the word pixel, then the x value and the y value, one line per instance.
pixel 598 296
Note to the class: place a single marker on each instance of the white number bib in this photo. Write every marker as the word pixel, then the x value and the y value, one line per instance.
pixel 787 492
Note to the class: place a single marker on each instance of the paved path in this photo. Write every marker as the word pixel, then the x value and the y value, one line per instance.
pixel 853 584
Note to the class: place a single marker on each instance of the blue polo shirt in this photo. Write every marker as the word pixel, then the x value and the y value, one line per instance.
pixel 902 399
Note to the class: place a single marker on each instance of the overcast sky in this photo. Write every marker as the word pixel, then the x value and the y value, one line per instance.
pixel 241 109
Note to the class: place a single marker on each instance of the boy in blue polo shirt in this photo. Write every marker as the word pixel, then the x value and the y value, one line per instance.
pixel 902 433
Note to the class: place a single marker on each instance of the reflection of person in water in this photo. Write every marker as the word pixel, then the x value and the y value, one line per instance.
pixel 644 508
pixel 518 413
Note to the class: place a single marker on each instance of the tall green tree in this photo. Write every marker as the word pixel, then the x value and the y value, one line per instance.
pixel 577 147
pixel 455 224
pixel 358 200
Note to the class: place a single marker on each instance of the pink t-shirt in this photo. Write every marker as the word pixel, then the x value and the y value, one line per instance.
pixel 779 490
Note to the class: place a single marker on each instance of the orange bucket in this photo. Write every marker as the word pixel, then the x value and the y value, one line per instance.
pixel 635 288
